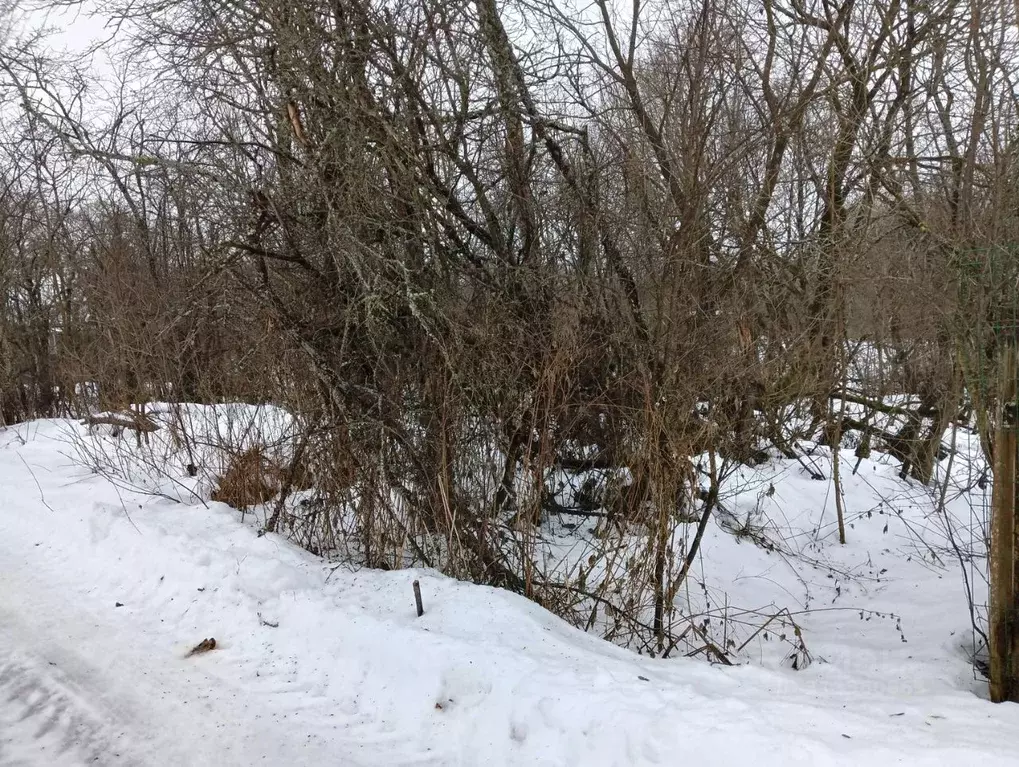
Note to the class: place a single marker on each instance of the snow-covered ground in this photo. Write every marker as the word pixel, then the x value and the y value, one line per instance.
pixel 103 590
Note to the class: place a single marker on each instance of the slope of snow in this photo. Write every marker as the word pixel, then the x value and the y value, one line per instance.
pixel 104 590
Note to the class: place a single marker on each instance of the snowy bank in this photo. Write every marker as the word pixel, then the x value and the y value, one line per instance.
pixel 103 590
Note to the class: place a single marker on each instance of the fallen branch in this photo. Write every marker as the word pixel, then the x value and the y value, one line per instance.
pixel 883 407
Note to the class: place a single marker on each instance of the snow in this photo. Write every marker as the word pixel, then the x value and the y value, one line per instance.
pixel 104 589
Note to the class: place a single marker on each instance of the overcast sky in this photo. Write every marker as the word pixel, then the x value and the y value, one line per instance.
pixel 70 30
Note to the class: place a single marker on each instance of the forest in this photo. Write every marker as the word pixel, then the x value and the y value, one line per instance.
pixel 505 263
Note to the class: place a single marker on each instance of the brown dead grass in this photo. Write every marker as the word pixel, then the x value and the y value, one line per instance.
pixel 250 479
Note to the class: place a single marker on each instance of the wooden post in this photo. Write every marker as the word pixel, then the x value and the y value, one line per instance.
pixel 1003 639
pixel 417 599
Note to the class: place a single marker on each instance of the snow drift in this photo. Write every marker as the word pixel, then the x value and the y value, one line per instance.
pixel 103 589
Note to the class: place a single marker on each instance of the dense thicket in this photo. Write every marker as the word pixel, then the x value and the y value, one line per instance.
pixel 479 247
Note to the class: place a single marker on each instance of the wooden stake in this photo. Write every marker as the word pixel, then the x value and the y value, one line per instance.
pixel 1002 638
pixel 417 599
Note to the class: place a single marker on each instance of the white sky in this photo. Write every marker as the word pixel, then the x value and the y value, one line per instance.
pixel 71 30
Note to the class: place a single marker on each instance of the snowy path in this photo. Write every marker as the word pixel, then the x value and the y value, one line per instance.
pixel 320 666
pixel 76 688
pixel 46 713
pixel 83 681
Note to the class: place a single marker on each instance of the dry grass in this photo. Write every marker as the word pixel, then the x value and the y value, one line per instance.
pixel 249 479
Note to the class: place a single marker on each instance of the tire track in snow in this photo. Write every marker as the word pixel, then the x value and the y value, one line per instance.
pixel 45 722
pixel 77 689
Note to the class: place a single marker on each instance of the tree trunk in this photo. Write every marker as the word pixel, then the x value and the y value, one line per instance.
pixel 1003 641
